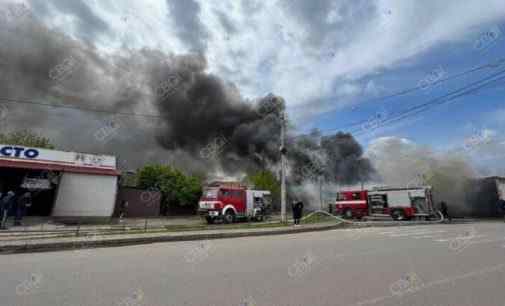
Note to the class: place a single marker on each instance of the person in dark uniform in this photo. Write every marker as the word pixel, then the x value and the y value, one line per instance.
pixel 501 205
pixel 300 211
pixel 445 211
pixel 297 207
pixel 22 204
pixel 6 205
pixel 293 209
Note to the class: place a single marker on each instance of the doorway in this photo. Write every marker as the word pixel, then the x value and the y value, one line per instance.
pixel 41 183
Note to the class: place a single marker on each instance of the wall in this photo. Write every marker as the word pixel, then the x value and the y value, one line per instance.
pixel 85 195
pixel 141 203
pixel 482 197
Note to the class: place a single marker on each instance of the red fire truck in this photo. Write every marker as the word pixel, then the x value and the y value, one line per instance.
pixel 399 203
pixel 230 203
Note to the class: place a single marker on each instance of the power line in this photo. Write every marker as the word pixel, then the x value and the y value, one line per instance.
pixel 424 104
pixel 494 64
pixel 23 101
pixel 464 91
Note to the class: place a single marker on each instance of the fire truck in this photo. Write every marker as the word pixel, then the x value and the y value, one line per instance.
pixel 230 203
pixel 399 203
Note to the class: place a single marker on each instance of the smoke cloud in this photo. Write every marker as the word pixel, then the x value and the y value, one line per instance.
pixel 325 162
pixel 185 116
pixel 402 163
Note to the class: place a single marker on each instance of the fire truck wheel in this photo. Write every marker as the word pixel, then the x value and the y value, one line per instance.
pixel 347 214
pixel 229 216
pixel 398 215
pixel 210 220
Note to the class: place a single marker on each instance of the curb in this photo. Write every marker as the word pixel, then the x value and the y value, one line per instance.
pixel 74 245
pixel 171 237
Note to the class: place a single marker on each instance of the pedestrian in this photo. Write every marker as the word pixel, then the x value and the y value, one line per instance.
pixel 501 204
pixel 445 211
pixel 7 204
pixel 23 203
pixel 122 209
pixel 297 207
pixel 300 211
pixel 1 208
pixel 293 209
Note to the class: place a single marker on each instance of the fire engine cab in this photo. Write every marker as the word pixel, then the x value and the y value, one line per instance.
pixel 230 203
pixel 399 203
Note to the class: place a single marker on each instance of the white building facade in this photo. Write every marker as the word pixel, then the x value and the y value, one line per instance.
pixel 63 184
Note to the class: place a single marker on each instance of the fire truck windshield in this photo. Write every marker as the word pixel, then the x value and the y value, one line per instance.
pixel 210 193
pixel 420 204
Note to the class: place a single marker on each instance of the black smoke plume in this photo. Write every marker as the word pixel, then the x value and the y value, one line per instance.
pixel 334 158
pixel 188 117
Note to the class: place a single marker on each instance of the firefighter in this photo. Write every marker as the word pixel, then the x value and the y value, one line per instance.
pixel 501 204
pixel 300 210
pixel 6 205
pixel 24 202
pixel 445 211
pixel 293 209
pixel 297 207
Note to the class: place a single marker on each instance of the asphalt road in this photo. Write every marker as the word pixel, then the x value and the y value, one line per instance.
pixel 461 264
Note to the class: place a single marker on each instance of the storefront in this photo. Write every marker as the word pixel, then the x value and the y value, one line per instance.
pixel 63 184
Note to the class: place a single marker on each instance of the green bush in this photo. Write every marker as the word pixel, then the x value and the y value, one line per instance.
pixel 26 138
pixel 177 189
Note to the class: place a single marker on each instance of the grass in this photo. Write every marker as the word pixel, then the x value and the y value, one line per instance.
pixel 243 225
pixel 318 218
pixel 203 226
pixel 160 230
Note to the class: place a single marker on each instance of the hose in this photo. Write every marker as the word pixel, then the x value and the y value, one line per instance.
pixel 341 220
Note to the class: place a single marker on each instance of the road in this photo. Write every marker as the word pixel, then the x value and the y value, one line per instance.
pixel 459 264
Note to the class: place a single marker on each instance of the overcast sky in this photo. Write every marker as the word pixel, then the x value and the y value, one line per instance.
pixel 333 61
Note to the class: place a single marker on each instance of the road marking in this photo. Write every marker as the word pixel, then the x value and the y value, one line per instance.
pixel 487 241
pixel 424 237
pixel 459 237
pixel 416 233
pixel 407 229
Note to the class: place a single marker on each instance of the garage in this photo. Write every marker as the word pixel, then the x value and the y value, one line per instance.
pixel 63 184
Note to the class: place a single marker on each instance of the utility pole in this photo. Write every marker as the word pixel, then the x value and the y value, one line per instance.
pixel 321 191
pixel 283 151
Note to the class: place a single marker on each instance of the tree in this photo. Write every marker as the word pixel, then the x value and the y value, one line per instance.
pixel 26 138
pixel 177 189
pixel 266 180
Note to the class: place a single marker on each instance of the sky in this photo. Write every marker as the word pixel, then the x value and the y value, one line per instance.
pixel 355 66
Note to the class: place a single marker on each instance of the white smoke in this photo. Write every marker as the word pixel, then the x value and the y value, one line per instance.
pixel 402 163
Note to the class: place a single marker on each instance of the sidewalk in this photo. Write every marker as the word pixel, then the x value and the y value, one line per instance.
pixel 43 224
pixel 55 237
pixel 45 244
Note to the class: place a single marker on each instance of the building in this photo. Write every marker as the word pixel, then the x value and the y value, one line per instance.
pixel 66 185
pixel 483 196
